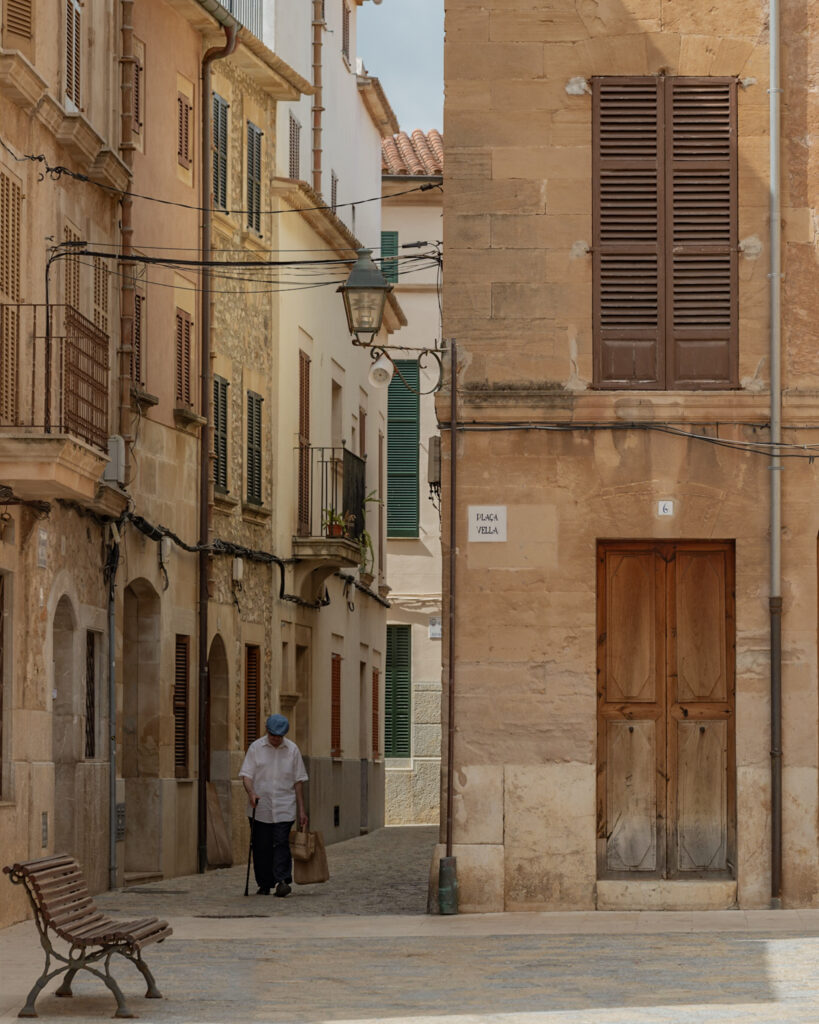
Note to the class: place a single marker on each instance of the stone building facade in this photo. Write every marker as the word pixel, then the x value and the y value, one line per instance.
pixel 606 211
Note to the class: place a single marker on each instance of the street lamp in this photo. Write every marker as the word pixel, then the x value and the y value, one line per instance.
pixel 364 295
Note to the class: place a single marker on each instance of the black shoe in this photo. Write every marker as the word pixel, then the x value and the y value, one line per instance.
pixel 283 889
pixel 262 892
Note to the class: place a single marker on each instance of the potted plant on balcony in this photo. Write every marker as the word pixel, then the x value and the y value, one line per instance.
pixel 336 524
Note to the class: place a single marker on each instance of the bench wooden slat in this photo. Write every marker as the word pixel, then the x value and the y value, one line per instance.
pixel 68 899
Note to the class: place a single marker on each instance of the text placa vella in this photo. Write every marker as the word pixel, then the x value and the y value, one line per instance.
pixel 487 523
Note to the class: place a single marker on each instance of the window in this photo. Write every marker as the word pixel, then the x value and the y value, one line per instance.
pixel 254 177
pixel 138 341
pixel 71 279
pixel 220 434
pixel 90 694
pixel 362 432
pixel 73 54
pixel 402 451
pixel 389 255
pixel 183 130
pixel 18 26
pixel 252 693
pixel 220 151
pixel 333 191
pixel 381 504
pixel 397 692
pixel 184 329
pixel 254 447
pixel 180 706
pixel 345 30
pixel 138 95
pixel 3 663
pixel 11 197
pixel 100 294
pixel 376 725
pixel 665 232
pixel 295 146
pixel 303 526
pixel 335 706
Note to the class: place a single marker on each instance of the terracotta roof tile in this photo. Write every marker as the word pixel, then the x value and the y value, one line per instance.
pixel 421 153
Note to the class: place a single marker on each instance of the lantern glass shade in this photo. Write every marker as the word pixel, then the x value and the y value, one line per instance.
pixel 365 294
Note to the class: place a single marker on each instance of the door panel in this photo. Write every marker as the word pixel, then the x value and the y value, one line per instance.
pixel 666 744
pixel 632 796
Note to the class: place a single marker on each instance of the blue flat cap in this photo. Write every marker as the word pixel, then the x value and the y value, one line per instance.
pixel 277 725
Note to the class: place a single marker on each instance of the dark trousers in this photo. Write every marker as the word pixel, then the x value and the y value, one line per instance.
pixel 271 853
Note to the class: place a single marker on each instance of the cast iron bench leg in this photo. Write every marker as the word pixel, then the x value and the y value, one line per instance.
pixel 65 989
pixel 153 992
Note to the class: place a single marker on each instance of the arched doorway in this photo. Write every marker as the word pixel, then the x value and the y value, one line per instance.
pixel 219 751
pixel 66 729
pixel 140 729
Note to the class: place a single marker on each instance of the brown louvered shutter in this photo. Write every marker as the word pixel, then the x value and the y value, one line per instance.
pixel 180 706
pixel 295 147
pixel 19 19
pixel 254 448
pixel 376 723
pixel 100 294
pixel 137 344
pixel 73 52
pixel 701 161
pixel 183 130
pixel 11 197
pixel 183 358
pixel 136 99
pixel 335 706
pixel 252 687
pixel 628 232
pixel 72 272
pixel 303 524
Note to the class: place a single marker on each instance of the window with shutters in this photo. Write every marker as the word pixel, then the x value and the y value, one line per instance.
pixel 397 683
pixel 220 152
pixel 138 361
pixel 345 30
pixel 138 96
pixel 180 706
pixel 665 233
pixel 389 255
pixel 184 129
pixel 71 272
pixel 11 201
pixel 184 330
pixel 376 719
pixel 101 291
pixel 403 411
pixel 254 448
pixel 335 706
pixel 333 191
pixel 303 503
pixel 18 26
pixel 90 694
pixel 295 148
pixel 362 432
pixel 220 434
pixel 381 504
pixel 254 177
pixel 5 606
pixel 73 55
pixel 252 693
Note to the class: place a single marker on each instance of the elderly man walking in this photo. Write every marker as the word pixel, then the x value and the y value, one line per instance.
pixel 273 775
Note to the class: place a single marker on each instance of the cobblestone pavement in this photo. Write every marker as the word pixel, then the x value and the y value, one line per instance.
pixel 360 949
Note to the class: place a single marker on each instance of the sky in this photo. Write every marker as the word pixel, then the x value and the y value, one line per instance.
pixel 402 44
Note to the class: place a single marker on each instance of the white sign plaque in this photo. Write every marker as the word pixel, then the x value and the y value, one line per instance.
pixel 665 508
pixel 487 523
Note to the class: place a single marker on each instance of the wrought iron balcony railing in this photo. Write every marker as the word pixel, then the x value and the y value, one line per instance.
pixel 57 383
pixel 331 492
pixel 248 12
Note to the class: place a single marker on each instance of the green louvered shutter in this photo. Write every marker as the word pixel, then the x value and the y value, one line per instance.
pixel 398 678
pixel 220 433
pixel 254 448
pixel 402 451
pixel 220 151
pixel 389 255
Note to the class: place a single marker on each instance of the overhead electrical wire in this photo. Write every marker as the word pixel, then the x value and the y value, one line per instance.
pixel 55 172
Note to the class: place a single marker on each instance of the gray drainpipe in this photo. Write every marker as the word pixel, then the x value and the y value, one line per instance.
pixel 231 27
pixel 774 93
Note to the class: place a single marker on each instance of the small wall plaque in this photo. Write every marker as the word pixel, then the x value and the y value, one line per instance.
pixel 665 508
pixel 487 523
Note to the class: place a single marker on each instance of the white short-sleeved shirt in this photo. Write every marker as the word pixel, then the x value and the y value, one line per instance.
pixel 274 772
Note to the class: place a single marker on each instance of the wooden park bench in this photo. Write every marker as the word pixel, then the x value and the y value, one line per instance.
pixel 63 905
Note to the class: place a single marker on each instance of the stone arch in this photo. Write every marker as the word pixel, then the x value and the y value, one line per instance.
pixel 141 714
pixel 219 721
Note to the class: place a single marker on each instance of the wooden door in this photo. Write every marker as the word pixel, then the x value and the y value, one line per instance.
pixel 666 756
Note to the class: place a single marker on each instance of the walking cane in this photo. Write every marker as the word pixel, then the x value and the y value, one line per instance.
pixel 250 850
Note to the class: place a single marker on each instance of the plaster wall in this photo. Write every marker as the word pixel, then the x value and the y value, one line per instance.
pixel 517 297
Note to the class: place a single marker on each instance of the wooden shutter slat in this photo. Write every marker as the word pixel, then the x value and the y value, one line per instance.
pixel 180 705
pixel 628 281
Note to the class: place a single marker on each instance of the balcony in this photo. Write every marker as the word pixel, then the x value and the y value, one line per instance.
pixel 54 405
pixel 330 513
pixel 247 13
